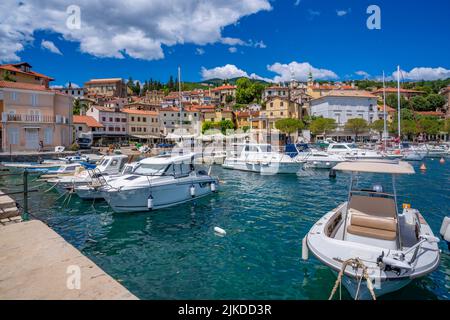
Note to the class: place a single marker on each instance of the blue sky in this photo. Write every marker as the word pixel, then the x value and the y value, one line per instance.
pixel 265 39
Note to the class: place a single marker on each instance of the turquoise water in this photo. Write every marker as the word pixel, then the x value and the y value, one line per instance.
pixel 174 253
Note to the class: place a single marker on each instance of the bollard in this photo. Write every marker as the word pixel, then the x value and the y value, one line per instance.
pixel 25 196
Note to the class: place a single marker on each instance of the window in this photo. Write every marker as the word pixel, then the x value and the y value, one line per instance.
pixel 110 119
pixel 124 119
pixel 110 129
pixel 133 129
pixel 144 119
pixel 123 129
pixel 117 119
pixel 281 103
pixel 117 129
pixel 139 119
pixel 80 128
pixel 281 113
pixel 103 118
pixel 271 104
pixel 132 118
pixel 14 96
pixel 13 135
pixel 145 129
pixel 48 136
pixel 34 99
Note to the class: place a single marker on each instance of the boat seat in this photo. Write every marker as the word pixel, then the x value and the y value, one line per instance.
pixel 365 225
pixel 374 206
pixel 372 233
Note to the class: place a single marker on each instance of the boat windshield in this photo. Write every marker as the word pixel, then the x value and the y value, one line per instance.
pixel 151 169
pixel 352 146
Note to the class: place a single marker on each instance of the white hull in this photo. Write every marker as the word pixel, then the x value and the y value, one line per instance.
pixel 263 168
pixel 416 156
pixel 164 195
pixel 88 193
pixel 351 284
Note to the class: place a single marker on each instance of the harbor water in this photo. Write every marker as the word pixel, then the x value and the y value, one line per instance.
pixel 174 253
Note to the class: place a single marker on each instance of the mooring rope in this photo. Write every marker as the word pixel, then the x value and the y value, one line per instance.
pixel 357 264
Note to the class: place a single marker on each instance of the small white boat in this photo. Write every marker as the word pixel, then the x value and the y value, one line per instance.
pixel 374 248
pixel 159 182
pixel 110 165
pixel 91 190
pixel 351 151
pixel 435 151
pixel 260 158
pixel 314 158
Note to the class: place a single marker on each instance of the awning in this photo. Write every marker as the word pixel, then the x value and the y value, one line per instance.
pixel 144 136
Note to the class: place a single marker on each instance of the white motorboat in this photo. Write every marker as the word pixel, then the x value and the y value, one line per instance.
pixel 260 158
pixel 313 158
pixel 91 190
pixel 110 165
pixel 351 151
pixel 159 182
pixel 436 151
pixel 372 246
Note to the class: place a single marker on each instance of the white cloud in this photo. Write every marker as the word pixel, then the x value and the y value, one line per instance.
pixel 423 73
pixel 313 13
pixel 260 44
pixel 362 73
pixel 226 72
pixel 200 51
pixel 50 46
pixel 139 28
pixel 297 2
pixel 285 72
pixel 232 49
pixel 299 71
pixel 341 13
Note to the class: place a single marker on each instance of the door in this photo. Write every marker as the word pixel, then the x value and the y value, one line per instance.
pixel 32 139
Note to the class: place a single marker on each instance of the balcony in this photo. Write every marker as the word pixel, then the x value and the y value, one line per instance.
pixel 6 117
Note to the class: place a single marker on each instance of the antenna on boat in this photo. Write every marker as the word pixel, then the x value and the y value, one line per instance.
pixel 180 104
pixel 398 104
pixel 384 114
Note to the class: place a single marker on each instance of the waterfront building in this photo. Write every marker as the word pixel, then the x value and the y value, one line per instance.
pixel 143 125
pixel 169 120
pixel 343 105
pixel 22 72
pixel 111 87
pixel 114 122
pixel 86 124
pixel 33 114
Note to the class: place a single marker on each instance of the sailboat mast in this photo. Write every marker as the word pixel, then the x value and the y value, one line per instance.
pixel 384 114
pixel 180 104
pixel 398 101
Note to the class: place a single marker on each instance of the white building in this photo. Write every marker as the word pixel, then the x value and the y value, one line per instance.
pixel 169 120
pixel 343 105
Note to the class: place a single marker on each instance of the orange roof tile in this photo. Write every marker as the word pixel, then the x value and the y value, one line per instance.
pixel 224 87
pixel 87 120
pixel 24 86
pixel 143 112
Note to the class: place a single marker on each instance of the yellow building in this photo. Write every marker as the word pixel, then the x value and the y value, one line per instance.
pixel 247 119
pixel 277 108
pixel 33 115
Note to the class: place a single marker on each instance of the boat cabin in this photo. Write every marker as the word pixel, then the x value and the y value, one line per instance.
pixel 166 165
pixel 112 164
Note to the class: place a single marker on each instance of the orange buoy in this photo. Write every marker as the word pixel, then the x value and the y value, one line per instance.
pixel 442 160
pixel 423 167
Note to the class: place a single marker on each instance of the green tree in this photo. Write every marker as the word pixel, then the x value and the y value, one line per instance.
pixel 419 103
pixel 408 128
pixel 378 126
pixel 208 125
pixel 289 125
pixel 435 101
pixel 429 125
pixel 229 99
pixel 322 126
pixel 77 106
pixel 357 126
pixel 226 125
pixel 391 100
pixel 248 91
pixel 446 126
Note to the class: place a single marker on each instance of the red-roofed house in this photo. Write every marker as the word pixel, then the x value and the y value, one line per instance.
pixel 21 72
pixel 32 114
pixel 85 124
pixel 220 94
pixel 114 122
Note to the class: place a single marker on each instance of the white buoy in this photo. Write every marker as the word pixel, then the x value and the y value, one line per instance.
pixel 150 202
pixel 192 191
pixel 304 249
pixel 220 231
pixel 444 225
pixel 213 187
